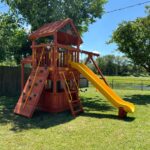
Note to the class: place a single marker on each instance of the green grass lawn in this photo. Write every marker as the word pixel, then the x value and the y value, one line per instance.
pixel 97 129
pixel 127 78
pixel 129 82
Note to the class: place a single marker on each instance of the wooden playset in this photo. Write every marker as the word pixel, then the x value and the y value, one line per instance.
pixel 53 84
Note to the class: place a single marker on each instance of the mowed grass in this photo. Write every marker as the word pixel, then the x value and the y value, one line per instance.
pixel 98 128
pixel 129 82
pixel 128 79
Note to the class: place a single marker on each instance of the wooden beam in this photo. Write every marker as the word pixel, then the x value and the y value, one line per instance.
pixel 77 50
pixel 99 71
pixel 67 47
pixel 40 45
pixel 89 53
pixel 88 58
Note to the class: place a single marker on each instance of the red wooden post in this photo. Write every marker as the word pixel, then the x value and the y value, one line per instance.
pixel 55 63
pixel 78 48
pixel 22 76
pixel 87 60
pixel 33 57
pixel 98 69
pixel 78 59
pixel 122 113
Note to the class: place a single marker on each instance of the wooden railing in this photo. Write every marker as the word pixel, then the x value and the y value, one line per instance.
pixel 67 53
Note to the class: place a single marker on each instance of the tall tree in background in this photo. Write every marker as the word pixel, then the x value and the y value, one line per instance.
pixel 117 65
pixel 148 10
pixel 36 13
pixel 133 39
pixel 13 39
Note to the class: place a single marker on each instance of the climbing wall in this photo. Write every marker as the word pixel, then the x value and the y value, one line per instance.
pixel 32 92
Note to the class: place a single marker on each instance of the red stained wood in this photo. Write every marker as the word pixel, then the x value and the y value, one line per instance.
pixel 51 103
pixel 53 61
pixel 67 39
pixel 27 109
pixel 52 28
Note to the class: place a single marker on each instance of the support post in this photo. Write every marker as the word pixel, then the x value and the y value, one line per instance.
pixel 22 76
pixel 87 60
pixel 78 59
pixel 98 69
pixel 122 113
pixel 55 63
pixel 33 56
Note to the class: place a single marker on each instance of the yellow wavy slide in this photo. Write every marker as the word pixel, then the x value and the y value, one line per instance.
pixel 103 88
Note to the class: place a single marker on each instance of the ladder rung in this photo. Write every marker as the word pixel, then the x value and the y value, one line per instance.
pixel 76 105
pixel 73 91
pixel 78 111
pixel 75 101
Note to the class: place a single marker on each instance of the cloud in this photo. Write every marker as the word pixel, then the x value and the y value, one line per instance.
pixel 97 52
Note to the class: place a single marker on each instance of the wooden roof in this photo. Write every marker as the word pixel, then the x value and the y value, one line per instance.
pixel 51 28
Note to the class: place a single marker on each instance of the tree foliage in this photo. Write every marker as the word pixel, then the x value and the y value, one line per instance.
pixel 13 39
pixel 36 13
pixel 133 39
pixel 148 10
pixel 117 65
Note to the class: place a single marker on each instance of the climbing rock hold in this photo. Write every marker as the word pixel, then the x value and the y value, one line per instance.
pixel 40 81
pixel 30 98
pixel 36 84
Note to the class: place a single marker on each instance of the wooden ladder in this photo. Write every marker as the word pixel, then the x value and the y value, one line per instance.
pixel 74 103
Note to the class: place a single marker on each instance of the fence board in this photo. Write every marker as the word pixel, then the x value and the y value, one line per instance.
pixel 10 80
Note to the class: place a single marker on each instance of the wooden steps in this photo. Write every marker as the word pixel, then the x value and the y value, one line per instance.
pixel 77 107
pixel 72 96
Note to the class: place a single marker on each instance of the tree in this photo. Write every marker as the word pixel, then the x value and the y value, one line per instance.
pixel 133 39
pixel 107 65
pixel 118 65
pixel 148 10
pixel 13 39
pixel 36 13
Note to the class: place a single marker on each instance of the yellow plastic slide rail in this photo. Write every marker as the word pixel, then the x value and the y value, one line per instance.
pixel 103 88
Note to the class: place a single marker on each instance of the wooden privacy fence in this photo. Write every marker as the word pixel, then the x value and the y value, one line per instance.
pixel 10 80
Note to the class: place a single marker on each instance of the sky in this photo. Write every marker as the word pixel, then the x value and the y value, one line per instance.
pixel 101 31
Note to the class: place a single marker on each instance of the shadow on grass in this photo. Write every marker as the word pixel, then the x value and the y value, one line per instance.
pixel 40 119
pixel 45 120
pixel 109 116
pixel 95 104
pixel 138 99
